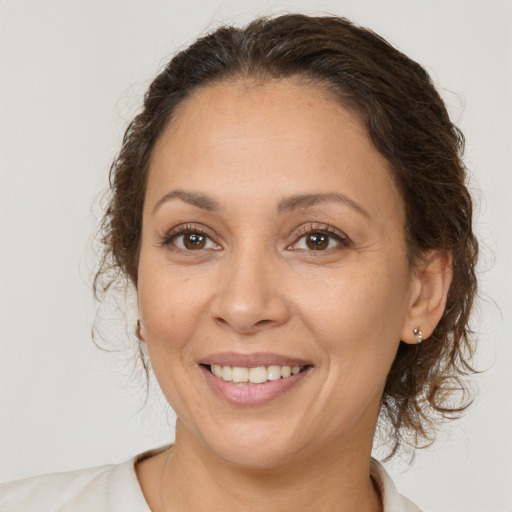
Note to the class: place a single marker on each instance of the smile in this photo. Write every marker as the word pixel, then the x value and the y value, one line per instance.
pixel 253 379
pixel 255 375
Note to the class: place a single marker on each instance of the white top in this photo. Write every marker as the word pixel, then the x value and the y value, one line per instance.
pixel 115 488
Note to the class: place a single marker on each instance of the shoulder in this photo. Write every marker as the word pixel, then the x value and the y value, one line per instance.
pixel 76 490
pixel 392 500
pixel 110 488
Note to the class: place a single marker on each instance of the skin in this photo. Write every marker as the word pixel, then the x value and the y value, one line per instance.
pixel 256 286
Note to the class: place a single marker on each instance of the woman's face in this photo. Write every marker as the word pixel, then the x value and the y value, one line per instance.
pixel 273 238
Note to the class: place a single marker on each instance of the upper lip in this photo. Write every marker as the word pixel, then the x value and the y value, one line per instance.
pixel 252 360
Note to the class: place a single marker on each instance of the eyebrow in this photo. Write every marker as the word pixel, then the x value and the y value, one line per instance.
pixel 304 201
pixel 296 202
pixel 194 198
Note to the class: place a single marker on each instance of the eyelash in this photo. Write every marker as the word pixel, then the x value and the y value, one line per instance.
pixel 321 229
pixel 184 229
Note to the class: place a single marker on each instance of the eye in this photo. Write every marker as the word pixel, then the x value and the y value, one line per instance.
pixel 320 239
pixel 317 241
pixel 190 239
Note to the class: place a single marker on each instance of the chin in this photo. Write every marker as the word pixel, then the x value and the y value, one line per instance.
pixel 254 447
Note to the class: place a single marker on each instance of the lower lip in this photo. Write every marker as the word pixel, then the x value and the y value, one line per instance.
pixel 251 394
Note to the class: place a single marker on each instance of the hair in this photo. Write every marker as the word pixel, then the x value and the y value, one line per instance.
pixel 407 122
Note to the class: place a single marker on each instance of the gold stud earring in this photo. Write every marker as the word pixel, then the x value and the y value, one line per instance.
pixel 419 335
pixel 138 328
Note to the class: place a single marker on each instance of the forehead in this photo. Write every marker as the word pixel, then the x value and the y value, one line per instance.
pixel 268 138
pixel 252 109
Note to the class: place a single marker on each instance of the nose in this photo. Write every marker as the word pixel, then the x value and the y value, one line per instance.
pixel 250 297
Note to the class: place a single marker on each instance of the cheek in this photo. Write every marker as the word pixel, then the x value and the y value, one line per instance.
pixel 358 315
pixel 171 306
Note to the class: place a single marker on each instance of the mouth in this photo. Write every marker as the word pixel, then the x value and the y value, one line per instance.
pixel 253 380
pixel 256 375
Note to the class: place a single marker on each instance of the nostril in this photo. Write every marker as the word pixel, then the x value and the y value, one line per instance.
pixel 262 323
pixel 220 320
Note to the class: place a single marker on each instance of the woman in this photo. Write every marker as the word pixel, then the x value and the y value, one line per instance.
pixel 290 207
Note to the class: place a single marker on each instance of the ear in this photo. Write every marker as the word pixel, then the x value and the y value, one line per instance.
pixel 431 281
pixel 138 331
pixel 139 327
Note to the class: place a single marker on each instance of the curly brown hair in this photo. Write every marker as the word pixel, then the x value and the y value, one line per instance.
pixel 408 123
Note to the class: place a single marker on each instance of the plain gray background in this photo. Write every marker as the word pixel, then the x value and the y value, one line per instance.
pixel 72 75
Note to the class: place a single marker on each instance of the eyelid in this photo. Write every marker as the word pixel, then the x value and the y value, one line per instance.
pixel 322 228
pixel 298 233
pixel 183 229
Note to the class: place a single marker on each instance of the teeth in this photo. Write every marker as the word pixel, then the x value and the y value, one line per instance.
pixel 274 372
pixel 256 375
pixel 286 371
pixel 227 373
pixel 240 374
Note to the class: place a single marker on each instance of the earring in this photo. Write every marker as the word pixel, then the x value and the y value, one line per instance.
pixel 419 335
pixel 142 344
pixel 138 328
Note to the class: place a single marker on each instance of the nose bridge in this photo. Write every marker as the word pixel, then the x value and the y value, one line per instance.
pixel 249 297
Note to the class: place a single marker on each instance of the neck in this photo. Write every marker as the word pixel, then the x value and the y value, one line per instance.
pixel 195 479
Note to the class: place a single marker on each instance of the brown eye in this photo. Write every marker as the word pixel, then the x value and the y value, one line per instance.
pixel 188 238
pixel 321 238
pixel 194 241
pixel 317 241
